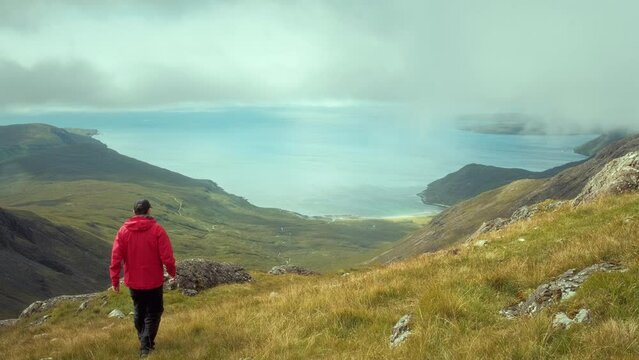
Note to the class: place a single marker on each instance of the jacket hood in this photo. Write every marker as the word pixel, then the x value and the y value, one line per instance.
pixel 139 223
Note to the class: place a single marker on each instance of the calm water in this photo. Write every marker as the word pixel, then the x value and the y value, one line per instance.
pixel 368 162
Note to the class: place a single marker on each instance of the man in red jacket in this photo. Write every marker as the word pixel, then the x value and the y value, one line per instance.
pixel 143 246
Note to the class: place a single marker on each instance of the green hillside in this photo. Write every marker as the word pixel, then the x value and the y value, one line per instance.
pixel 474 179
pixel 454 297
pixel 40 259
pixel 76 181
pixel 459 221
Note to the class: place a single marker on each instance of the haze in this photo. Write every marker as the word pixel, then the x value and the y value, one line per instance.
pixel 573 64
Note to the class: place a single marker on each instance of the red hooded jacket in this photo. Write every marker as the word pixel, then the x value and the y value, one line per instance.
pixel 144 246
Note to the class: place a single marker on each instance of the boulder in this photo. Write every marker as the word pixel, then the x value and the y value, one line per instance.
pixel 400 331
pixel 8 322
pixel 488 226
pixel 40 306
pixel 40 320
pixel 83 306
pixel 619 176
pixel 481 243
pixel 559 289
pixel 563 321
pixel 200 274
pixel 291 269
pixel 189 292
pixel 116 313
pixel 521 214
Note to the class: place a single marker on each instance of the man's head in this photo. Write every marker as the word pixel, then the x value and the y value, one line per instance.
pixel 141 207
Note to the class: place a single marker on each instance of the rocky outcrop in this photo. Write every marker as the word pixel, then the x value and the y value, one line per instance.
pixel 457 223
pixel 40 306
pixel 8 323
pixel 400 331
pixel 562 288
pixel 117 313
pixel 290 269
pixel 563 321
pixel 521 214
pixel 200 274
pixel 619 176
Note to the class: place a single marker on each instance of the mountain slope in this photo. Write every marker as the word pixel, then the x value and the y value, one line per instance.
pixel 454 297
pixel 474 179
pixel 456 223
pixel 39 259
pixel 593 146
pixel 77 181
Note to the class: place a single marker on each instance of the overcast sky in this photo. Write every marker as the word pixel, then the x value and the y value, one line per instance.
pixel 574 61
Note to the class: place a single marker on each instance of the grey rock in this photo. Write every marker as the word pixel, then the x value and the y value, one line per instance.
pixel 563 321
pixel 561 288
pixel 481 243
pixel 619 176
pixel 400 331
pixel 521 214
pixel 189 292
pixel 524 213
pixel 40 306
pixel 40 320
pixel 169 282
pixel 200 274
pixel 116 313
pixel 290 269
pixel 489 226
pixel 8 323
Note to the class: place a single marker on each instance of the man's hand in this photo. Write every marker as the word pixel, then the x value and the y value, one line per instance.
pixel 115 289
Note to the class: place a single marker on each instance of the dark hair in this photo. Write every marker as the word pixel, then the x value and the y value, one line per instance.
pixel 141 207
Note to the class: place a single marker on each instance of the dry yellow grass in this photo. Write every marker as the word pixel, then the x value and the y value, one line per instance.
pixel 454 296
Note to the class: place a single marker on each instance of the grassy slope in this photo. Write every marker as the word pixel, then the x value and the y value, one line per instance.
pixel 454 296
pixel 40 259
pixel 74 180
pixel 209 224
pixel 455 224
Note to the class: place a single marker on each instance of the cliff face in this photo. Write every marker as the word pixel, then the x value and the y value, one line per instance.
pixel 458 222
pixel 39 259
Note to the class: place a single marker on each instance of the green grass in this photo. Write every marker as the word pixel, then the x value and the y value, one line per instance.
pixel 210 224
pixel 456 223
pixel 454 296
pixel 77 181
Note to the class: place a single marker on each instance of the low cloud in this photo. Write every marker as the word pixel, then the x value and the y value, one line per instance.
pixel 52 84
pixel 571 64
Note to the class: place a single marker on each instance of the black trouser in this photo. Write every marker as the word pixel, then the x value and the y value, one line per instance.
pixel 149 306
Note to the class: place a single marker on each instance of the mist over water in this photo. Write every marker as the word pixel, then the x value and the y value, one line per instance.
pixel 364 162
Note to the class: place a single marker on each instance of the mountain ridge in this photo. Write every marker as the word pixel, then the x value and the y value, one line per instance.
pixel 456 223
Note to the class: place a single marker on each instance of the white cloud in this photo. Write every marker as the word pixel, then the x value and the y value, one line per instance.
pixel 572 61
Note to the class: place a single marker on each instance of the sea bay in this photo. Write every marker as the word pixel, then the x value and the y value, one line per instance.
pixel 368 162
